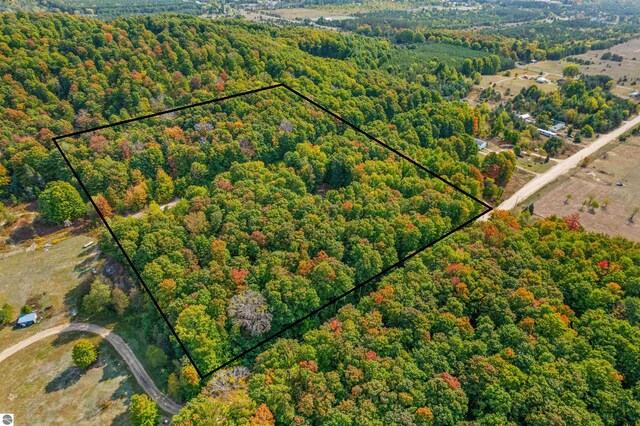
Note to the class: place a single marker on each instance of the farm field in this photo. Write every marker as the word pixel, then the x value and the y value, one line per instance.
pixel 343 11
pixel 599 180
pixel 48 389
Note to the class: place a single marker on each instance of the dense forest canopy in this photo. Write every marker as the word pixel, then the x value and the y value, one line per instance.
pixel 282 209
pixel 509 322
pixel 279 207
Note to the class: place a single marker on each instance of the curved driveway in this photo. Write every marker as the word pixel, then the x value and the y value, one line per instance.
pixel 163 401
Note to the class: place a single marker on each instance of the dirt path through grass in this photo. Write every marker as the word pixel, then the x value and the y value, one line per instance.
pixel 163 401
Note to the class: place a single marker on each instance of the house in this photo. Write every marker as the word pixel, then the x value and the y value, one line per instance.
pixel 26 320
pixel 558 126
pixel 542 80
pixel 524 116
pixel 634 94
pixel 481 144
pixel 546 133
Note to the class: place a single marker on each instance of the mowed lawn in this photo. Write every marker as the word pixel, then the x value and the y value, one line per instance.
pixel 41 386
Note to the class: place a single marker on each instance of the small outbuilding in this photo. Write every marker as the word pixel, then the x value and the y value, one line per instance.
pixel 27 319
pixel 634 94
pixel 481 144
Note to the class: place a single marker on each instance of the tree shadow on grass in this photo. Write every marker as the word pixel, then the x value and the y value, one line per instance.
pixel 67 337
pixel 67 378
pixel 121 419
pixel 72 297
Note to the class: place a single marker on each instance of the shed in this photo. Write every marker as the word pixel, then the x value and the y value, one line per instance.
pixel 27 319
pixel 481 144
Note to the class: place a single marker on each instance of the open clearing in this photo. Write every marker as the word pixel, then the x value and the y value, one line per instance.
pixel 302 13
pixel 57 392
pixel 53 278
pixel 514 84
pixel 56 272
pixel 599 179
pixel 628 68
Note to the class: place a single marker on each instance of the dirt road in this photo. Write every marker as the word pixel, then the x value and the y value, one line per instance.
pixel 163 401
pixel 168 205
pixel 563 166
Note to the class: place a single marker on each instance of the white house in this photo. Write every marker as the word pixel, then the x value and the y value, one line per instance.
pixel 634 94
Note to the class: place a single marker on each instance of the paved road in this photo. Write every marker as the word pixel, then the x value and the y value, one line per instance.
pixel 563 166
pixel 119 345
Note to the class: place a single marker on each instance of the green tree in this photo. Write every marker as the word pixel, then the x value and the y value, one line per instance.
pixel 84 353
pixel 571 71
pixel 143 411
pixel 163 187
pixel 6 314
pixel 587 131
pixel 119 300
pixel 98 298
pixel 156 356
pixel 60 201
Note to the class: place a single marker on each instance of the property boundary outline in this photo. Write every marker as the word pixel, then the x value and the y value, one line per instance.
pixel 331 301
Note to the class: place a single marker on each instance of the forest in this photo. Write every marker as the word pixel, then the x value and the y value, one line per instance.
pixel 279 207
pixel 83 73
pixel 508 322
pixel 278 213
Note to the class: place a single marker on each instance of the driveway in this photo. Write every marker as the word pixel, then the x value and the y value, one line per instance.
pixel 163 401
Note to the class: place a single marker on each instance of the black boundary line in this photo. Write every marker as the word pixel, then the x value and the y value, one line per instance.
pixel 135 270
pixel 315 311
pixel 346 293
pixel 155 114
pixel 395 151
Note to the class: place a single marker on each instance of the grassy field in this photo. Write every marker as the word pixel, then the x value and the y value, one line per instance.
pixel 512 85
pixel 599 180
pixel 452 55
pixel 56 392
pixel 304 13
pixel 341 11
pixel 629 67
pixel 534 165
pixel 48 277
